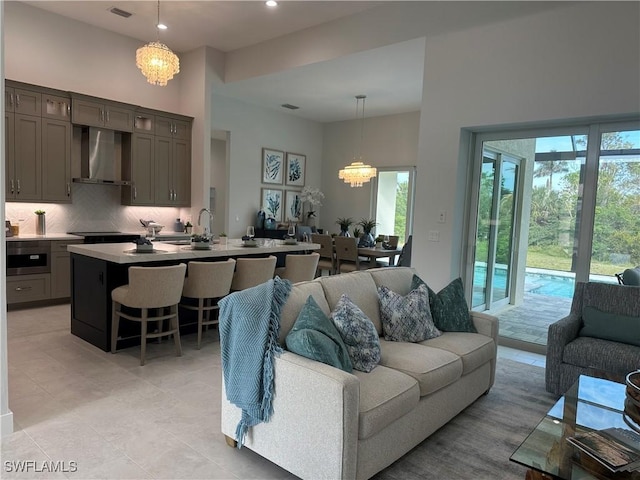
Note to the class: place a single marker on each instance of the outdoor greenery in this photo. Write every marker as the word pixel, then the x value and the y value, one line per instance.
pixel 400 224
pixel 554 210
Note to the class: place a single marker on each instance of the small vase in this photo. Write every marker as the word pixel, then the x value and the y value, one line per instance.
pixel 344 233
pixel 41 225
pixel 366 241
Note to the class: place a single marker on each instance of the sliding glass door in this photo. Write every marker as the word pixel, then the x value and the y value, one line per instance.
pixel 393 202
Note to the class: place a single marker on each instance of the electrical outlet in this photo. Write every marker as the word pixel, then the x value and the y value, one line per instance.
pixel 434 236
pixel 442 216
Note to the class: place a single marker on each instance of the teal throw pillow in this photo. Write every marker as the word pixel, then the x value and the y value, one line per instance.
pixel 314 336
pixel 358 333
pixel 449 308
pixel 406 318
pixel 610 326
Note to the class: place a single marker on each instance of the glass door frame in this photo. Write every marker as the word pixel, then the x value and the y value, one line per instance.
pixel 410 194
pixel 584 233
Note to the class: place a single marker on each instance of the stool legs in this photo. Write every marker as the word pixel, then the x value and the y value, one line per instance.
pixel 175 325
pixel 115 321
pixel 143 335
pixel 200 315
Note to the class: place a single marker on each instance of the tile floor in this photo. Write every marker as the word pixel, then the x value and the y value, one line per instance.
pixel 114 419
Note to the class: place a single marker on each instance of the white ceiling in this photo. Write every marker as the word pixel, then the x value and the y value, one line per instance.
pixel 390 76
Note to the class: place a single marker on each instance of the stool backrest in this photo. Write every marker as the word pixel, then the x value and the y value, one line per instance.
pixel 301 268
pixel 253 271
pixel 155 287
pixel 209 279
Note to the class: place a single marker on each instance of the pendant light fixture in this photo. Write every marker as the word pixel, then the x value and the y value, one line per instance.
pixel 358 172
pixel 156 61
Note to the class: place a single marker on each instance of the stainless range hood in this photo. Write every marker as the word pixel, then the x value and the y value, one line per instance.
pixel 100 159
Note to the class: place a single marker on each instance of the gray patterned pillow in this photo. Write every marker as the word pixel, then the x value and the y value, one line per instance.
pixel 449 308
pixel 358 333
pixel 406 318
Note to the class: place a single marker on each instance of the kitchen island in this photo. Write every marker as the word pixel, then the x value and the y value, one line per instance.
pixel 97 269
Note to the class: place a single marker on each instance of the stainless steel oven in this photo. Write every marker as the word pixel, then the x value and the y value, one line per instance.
pixel 24 258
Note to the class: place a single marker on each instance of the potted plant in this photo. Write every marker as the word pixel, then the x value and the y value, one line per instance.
pixel 314 197
pixel 357 232
pixel 188 227
pixel 41 228
pixel 345 223
pixel 379 241
pixel 223 238
pixel 367 239
pixel 200 242
pixel 143 245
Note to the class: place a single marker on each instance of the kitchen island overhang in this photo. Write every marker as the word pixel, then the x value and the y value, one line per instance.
pixel 97 269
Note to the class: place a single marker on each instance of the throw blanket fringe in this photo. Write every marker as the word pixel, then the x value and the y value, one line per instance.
pixel 249 344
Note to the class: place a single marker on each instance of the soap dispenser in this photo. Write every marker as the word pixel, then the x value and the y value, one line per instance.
pixel 178 226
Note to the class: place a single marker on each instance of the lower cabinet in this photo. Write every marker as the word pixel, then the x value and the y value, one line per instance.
pixel 61 268
pixel 28 288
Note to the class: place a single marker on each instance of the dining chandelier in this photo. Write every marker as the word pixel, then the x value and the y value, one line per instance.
pixel 358 172
pixel 156 61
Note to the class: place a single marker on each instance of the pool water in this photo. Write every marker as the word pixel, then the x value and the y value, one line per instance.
pixel 555 285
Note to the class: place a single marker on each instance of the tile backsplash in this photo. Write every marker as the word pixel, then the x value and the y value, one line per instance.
pixel 94 208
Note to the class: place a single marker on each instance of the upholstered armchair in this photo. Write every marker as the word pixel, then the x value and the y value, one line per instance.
pixel 600 336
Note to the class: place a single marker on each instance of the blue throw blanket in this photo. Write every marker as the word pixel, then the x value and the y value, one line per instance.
pixel 249 343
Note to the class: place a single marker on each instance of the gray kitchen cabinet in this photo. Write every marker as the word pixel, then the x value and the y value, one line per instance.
pixel 56 160
pixel 56 107
pixel 23 101
pixel 172 127
pixel 24 182
pixel 28 288
pixel 173 171
pixel 102 114
pixel 139 166
pixel 61 268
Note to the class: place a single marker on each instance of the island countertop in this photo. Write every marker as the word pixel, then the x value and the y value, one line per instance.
pixel 125 253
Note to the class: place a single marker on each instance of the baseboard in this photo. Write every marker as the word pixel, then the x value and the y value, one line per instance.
pixel 520 345
pixel 6 424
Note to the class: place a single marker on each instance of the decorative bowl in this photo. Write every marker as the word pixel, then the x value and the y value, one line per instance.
pixel 200 245
pixel 145 247
pixel 632 400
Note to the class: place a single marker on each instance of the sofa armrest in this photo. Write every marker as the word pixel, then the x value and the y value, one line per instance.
pixel 559 335
pixel 485 324
pixel 313 432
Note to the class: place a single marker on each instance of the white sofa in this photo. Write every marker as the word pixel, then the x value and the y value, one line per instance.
pixel 331 424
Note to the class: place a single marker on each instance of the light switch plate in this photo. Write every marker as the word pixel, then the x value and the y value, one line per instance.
pixel 442 216
pixel 434 236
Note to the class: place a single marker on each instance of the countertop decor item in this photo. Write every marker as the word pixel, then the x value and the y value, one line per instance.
pixel 143 245
pixel 367 240
pixel 200 242
pixel 41 222
pixel 345 223
pixel 156 61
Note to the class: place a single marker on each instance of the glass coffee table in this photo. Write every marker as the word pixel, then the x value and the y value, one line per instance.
pixel 590 404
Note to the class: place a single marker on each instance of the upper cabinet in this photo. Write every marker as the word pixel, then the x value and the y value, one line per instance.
pixel 19 100
pixel 105 114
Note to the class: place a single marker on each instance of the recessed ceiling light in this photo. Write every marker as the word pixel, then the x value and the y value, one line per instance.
pixel 162 26
pixel 271 3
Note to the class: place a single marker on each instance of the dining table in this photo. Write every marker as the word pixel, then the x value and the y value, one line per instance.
pixel 375 253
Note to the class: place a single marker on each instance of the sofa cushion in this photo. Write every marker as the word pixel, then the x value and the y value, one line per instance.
pixel 433 368
pixel 297 298
pixel 610 326
pixel 385 396
pixel 474 349
pixel 358 334
pixel 314 336
pixel 602 355
pixel 449 307
pixel 406 318
pixel 360 288
pixel 397 279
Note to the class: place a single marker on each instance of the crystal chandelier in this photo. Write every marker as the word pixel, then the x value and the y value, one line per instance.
pixel 156 61
pixel 358 172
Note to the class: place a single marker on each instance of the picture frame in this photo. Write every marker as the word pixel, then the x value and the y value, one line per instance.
pixel 272 203
pixel 272 166
pixel 293 211
pixel 296 169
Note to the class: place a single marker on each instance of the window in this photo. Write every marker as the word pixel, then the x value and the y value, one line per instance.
pixel 393 202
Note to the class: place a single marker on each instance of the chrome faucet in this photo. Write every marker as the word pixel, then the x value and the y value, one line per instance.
pixel 202 210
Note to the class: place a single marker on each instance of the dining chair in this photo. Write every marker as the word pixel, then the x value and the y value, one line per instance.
pixel 207 282
pixel 327 259
pixel 253 271
pixel 393 243
pixel 404 260
pixel 299 268
pixel 347 259
pixel 150 289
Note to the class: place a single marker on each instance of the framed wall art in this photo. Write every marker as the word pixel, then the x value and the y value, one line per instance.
pixel 293 206
pixel 272 166
pixel 272 203
pixel 295 169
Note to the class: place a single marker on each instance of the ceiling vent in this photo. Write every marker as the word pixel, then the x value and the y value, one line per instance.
pixel 289 106
pixel 122 13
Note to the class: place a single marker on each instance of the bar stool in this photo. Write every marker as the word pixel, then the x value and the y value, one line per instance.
pixel 149 288
pixel 299 268
pixel 327 259
pixel 207 282
pixel 253 271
